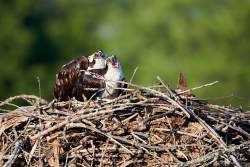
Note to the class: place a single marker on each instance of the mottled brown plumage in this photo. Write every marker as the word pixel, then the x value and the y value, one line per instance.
pixel 89 85
pixel 67 76
pixel 89 78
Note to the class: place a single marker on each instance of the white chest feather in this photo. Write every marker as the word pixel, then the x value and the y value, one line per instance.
pixel 111 77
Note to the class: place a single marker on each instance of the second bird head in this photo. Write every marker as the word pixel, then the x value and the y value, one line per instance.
pixel 97 60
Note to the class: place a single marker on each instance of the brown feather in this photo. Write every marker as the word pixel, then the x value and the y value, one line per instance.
pixel 100 72
pixel 87 87
pixel 67 76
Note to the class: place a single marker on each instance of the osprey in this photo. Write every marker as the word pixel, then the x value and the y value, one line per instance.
pixel 74 71
pixel 100 83
pixel 89 84
pixel 112 77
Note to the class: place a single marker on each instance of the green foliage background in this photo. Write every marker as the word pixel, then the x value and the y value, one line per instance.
pixel 207 40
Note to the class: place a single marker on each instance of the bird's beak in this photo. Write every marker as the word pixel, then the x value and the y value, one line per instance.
pixel 101 54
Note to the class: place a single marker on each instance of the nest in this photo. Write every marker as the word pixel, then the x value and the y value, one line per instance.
pixel 147 126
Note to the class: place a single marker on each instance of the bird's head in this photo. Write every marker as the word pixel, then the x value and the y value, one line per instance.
pixel 97 60
pixel 115 71
pixel 114 62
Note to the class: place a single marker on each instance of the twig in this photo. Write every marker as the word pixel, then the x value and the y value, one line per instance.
pixel 19 136
pixel 167 88
pixel 199 87
pixel 162 95
pixel 215 136
pixel 32 152
pixel 103 152
pixel 132 77
pixel 111 137
pixel 40 122
pixel 24 97
pixel 69 119
pixel 177 131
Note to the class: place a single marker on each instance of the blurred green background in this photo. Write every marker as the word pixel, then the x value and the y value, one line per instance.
pixel 207 40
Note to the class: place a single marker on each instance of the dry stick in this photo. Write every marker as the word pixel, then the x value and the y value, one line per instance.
pixel 4 111
pixel 116 99
pixel 208 157
pixel 109 149
pixel 179 132
pixel 203 123
pixel 14 142
pixel 119 138
pixel 137 137
pixel 111 106
pixel 93 147
pixel 127 163
pixel 40 122
pixel 125 121
pixel 24 97
pixel 175 102
pixel 13 156
pixel 154 148
pixel 155 86
pixel 199 87
pixel 135 70
pixel 28 112
pixel 169 152
pixel 152 154
pixel 66 161
pixel 228 110
pixel 238 129
pixel 166 87
pixel 130 81
pixel 111 137
pixel 32 152
pixel 87 103
pixel 138 145
pixel 73 119
pixel 104 152
pixel 214 135
pixel 158 116
pixel 162 95
pixel 171 130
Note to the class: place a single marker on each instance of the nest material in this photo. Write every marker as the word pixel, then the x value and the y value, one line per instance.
pixel 145 127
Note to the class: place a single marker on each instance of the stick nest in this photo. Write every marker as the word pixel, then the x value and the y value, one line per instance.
pixel 148 126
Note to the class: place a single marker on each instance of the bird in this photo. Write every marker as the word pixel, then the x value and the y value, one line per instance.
pixel 101 83
pixel 114 74
pixel 69 74
pixel 97 60
pixel 89 84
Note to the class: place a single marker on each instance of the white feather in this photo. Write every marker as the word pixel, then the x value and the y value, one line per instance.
pixel 111 77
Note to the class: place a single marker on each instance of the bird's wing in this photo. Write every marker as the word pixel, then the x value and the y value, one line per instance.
pixel 87 86
pixel 99 72
pixel 67 76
